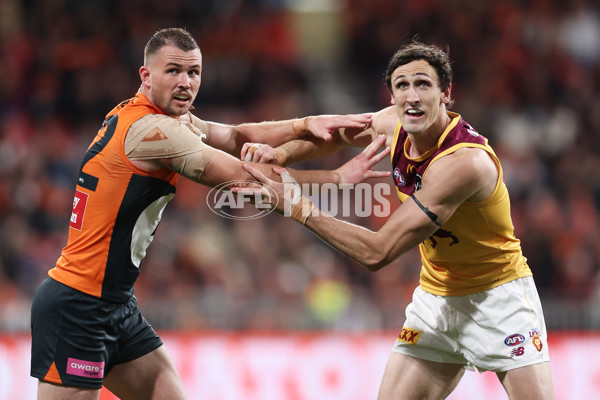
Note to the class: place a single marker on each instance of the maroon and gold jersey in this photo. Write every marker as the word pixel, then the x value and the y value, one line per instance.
pixel 116 210
pixel 475 249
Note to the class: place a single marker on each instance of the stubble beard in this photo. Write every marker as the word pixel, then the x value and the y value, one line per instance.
pixel 164 104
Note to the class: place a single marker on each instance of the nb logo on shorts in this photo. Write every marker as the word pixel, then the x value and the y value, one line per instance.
pixel 410 336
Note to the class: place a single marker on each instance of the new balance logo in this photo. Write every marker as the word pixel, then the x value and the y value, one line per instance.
pixel 519 351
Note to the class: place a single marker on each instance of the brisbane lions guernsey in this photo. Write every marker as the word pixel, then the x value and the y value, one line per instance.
pixel 475 249
pixel 116 210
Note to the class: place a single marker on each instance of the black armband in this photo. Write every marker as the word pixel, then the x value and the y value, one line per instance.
pixel 432 216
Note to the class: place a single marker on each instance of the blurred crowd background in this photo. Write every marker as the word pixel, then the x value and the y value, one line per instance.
pixel 527 76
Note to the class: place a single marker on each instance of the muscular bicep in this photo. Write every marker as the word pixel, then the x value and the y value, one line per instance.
pixel 449 181
pixel 468 174
pixel 404 230
pixel 221 136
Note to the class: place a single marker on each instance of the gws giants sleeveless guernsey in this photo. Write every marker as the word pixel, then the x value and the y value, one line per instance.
pixel 116 210
pixel 475 249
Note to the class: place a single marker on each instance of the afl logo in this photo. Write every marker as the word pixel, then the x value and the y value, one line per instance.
pixel 514 339
pixel 222 201
pixel 398 177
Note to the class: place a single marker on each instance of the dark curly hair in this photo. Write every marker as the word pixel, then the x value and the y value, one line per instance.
pixel 416 50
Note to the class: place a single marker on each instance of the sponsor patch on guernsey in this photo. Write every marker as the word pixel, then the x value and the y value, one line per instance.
pixel 410 336
pixel 89 369
pixel 79 206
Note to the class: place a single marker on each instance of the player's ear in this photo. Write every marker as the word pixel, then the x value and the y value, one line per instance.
pixel 145 76
pixel 392 100
pixel 446 94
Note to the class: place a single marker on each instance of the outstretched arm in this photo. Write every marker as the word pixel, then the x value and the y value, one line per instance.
pixel 222 167
pixel 181 148
pixel 231 138
pixel 307 148
pixel 465 174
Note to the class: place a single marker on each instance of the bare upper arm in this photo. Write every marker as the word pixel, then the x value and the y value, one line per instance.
pixel 222 137
pixel 219 136
pixel 469 174
pixel 223 167
pixel 384 123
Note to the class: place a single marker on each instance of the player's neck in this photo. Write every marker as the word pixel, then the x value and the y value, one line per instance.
pixel 144 91
pixel 422 142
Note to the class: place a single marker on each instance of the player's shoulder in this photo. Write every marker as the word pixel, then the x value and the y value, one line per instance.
pixel 472 164
pixel 159 128
pixel 385 121
pixel 464 132
pixel 464 159
pixel 159 124
pixel 470 156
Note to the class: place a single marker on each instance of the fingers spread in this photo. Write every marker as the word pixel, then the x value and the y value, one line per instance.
pixel 381 155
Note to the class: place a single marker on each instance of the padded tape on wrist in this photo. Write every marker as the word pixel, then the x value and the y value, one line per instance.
pixel 300 126
pixel 302 210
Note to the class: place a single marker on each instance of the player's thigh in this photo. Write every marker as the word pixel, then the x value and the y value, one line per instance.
pixel 150 377
pixel 51 391
pixel 533 382
pixel 407 377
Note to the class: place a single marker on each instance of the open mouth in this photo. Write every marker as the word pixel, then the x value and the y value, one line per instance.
pixel 414 113
pixel 182 98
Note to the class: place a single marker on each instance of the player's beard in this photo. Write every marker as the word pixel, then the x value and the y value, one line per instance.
pixel 167 104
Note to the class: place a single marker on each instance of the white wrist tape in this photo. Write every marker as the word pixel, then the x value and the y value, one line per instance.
pixel 290 185
pixel 296 206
